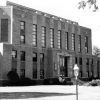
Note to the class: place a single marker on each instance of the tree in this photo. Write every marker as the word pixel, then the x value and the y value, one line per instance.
pixel 90 3
pixel 96 51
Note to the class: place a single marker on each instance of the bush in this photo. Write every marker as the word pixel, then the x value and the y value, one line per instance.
pixel 93 83
pixel 51 81
pixel 39 82
pixel 13 78
pixel 85 79
pixel 57 81
pixel 26 81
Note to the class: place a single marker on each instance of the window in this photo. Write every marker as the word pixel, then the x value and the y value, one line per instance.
pixel 75 60
pixel 79 43
pixel 14 54
pixel 34 65
pixel 92 68
pixel 80 66
pixel 42 58
pixel 66 40
pixel 73 41
pixel 22 32
pixel 87 66
pixel 87 62
pixel 22 65
pixel 34 57
pixel 43 36
pixel 59 39
pixel 22 56
pixel 41 66
pixel 34 35
pixel 14 60
pixel 22 73
pixel 80 61
pixel 52 37
pixel 22 39
pixel 86 44
pixel 22 25
pixel 4 30
pixel 98 65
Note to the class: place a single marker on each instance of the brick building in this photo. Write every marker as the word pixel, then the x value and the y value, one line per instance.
pixel 40 45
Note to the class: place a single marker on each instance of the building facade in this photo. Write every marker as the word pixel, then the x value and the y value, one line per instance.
pixel 38 45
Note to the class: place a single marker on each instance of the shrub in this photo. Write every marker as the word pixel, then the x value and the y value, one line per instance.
pixel 13 78
pixel 93 83
pixel 51 81
pixel 25 81
pixel 57 81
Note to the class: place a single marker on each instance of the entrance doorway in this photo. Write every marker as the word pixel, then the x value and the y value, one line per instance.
pixel 63 65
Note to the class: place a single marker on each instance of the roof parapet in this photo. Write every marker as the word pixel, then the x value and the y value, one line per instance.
pixel 27 9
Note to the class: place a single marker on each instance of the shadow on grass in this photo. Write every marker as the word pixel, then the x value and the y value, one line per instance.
pixel 24 95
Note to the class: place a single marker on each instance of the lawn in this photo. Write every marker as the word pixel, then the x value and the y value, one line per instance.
pixel 50 92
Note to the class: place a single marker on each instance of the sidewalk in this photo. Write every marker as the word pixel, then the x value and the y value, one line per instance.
pixel 51 92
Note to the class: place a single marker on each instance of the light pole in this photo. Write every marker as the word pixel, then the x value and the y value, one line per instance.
pixel 76 72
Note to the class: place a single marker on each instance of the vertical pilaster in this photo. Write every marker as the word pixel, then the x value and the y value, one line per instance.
pixel 70 66
pixel 39 24
pixel 63 35
pixel 55 33
pixel 18 61
pixel 28 64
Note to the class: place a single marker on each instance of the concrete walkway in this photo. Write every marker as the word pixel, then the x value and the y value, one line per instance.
pixel 51 92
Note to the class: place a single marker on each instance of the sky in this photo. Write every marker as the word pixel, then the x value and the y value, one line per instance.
pixel 67 9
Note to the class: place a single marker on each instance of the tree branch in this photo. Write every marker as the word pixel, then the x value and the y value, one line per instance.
pixel 83 4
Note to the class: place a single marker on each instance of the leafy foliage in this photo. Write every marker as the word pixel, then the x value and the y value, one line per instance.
pixel 93 83
pixel 96 51
pixel 83 4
